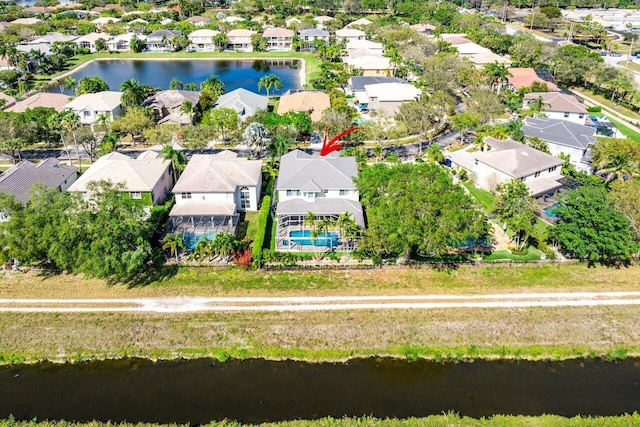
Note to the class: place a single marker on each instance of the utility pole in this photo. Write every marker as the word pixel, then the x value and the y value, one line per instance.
pixel 630 49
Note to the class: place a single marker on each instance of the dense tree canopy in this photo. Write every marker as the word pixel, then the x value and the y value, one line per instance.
pixel 91 84
pixel 591 229
pixel 416 208
pixel 106 237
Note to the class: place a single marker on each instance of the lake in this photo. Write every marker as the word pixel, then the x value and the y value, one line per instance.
pixel 235 73
pixel 256 390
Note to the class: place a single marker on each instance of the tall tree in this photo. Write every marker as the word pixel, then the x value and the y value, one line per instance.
pixel 133 93
pixel 270 81
pixel 497 75
pixel 517 209
pixel 91 84
pixel 617 159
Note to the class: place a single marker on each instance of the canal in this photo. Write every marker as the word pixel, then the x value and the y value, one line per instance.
pixel 254 391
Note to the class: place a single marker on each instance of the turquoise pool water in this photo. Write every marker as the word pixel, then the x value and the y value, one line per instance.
pixel 548 211
pixel 303 237
pixel 190 239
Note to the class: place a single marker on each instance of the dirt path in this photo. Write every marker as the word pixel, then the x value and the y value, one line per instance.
pixel 331 303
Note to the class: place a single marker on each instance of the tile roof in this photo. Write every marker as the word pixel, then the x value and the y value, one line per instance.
pixel 101 101
pixel 314 32
pixel 561 132
pixel 313 102
pixel 171 98
pixel 19 178
pixel 218 173
pixel 525 77
pixel 140 174
pixel 556 101
pixel 298 169
pixel 278 32
pixel 245 102
pixel 357 83
pixel 350 32
pixel 57 101
pixel 203 208
pixel 361 21
pixel 9 101
pixel 390 92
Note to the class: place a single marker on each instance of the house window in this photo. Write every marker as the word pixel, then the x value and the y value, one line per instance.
pixel 310 195
pixel 291 193
pixel 325 191
pixel 537 174
pixel 245 198
pixel 551 169
pixel 86 113
pixel 581 116
pixel 566 115
pixel 185 195
pixel 135 195
pixel 344 192
pixel 475 162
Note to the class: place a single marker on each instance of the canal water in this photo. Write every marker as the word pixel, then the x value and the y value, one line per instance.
pixel 237 73
pixel 255 391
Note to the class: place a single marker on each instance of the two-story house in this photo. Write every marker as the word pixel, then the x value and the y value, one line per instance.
pixel 244 102
pixel 506 159
pixel 90 106
pixel 211 192
pixel 350 34
pixel 561 136
pixel 388 97
pixel 278 38
pixel 310 35
pixel 240 40
pixel 122 43
pixel 147 179
pixel 199 21
pixel 161 40
pixel 88 41
pixel 559 106
pixel 167 106
pixel 202 40
pixel 318 186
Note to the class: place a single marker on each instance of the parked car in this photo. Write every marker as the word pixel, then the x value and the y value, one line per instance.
pixel 616 54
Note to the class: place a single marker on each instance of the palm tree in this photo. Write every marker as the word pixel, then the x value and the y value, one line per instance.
pixel 175 84
pixel 310 221
pixel 224 244
pixel 187 108
pixel 174 243
pixel 325 225
pixel 69 83
pixel 203 248
pixel 497 74
pixel 434 153
pixel 133 93
pixel 347 225
pixel 378 152
pixel 69 122
pixel 190 86
pixel 103 121
pixel 617 164
pixel 177 158
pixel 537 106
pixel 270 81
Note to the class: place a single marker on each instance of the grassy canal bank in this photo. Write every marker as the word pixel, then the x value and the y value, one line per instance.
pixel 552 333
pixel 448 420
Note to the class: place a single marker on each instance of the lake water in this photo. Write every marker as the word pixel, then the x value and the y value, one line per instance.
pixel 256 391
pixel 240 73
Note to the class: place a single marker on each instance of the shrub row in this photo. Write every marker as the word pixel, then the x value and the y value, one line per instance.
pixel 263 221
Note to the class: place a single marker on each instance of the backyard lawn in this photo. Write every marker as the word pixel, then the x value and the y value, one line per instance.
pixel 486 199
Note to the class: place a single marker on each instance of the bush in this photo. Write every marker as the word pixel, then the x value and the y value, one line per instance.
pixel 594 109
pixel 261 232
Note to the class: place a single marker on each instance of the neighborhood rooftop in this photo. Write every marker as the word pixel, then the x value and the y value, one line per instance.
pixel 561 132
pixel 328 172
pixel 19 179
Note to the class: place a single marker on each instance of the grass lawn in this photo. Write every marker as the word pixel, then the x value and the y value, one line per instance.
pixel 533 254
pixel 540 332
pixel 626 131
pixel 608 103
pixel 486 199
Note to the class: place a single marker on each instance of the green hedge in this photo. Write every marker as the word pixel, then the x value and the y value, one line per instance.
pixel 263 220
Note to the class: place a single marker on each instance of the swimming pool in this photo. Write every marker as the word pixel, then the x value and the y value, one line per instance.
pixel 548 211
pixel 303 237
pixel 190 239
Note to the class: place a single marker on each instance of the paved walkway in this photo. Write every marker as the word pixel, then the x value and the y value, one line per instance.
pixel 330 303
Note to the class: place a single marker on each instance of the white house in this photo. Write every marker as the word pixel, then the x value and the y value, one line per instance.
pixel 373 48
pixel 122 43
pixel 202 40
pixel 161 40
pixel 88 41
pixel 101 22
pixel 199 21
pixel 322 185
pixel 278 38
pixel 350 34
pixel 567 137
pixel 559 106
pixel 369 65
pixel 312 34
pixel 240 40
pixel 507 159
pixel 244 102
pixel 211 192
pixel 90 106
pixel 147 178
pixel 388 97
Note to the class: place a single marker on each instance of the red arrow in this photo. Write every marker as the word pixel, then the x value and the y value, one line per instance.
pixel 334 144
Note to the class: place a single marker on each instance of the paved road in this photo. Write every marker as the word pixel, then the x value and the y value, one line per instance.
pixel 330 303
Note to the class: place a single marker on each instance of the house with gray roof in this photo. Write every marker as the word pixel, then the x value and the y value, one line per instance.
pixel 504 160
pixel 319 185
pixel 147 179
pixel 167 105
pixel 310 35
pixel 245 102
pixel 20 178
pixel 572 139
pixel 211 192
pixel 160 40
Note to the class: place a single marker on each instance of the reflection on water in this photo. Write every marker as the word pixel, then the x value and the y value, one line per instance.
pixel 234 73
pixel 256 391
